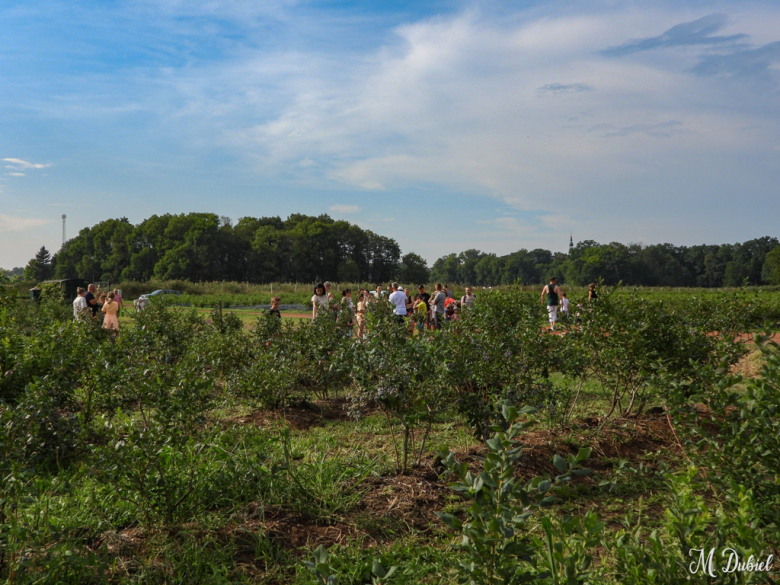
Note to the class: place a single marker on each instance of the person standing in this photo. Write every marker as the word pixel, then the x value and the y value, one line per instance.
pixel 448 293
pixel 409 307
pixel 552 292
pixel 398 300
pixel 378 294
pixel 409 300
pixel 328 285
pixel 360 314
pixel 80 307
pixel 437 306
pixel 118 300
pixel 110 309
pixel 592 294
pixel 420 315
pixel 467 301
pixel 89 297
pixel 565 304
pixel 423 295
pixel 334 307
pixel 426 298
pixel 319 301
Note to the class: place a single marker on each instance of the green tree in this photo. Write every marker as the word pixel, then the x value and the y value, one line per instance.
pixel 349 271
pixel 414 269
pixel 771 270
pixel 39 268
pixel 445 269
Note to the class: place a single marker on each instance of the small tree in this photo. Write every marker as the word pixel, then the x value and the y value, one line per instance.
pixel 39 268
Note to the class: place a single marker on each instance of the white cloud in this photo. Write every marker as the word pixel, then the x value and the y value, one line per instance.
pixel 19 164
pixel 339 208
pixel 15 174
pixel 20 224
pixel 454 102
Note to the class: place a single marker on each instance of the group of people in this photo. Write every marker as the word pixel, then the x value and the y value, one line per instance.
pixel 555 299
pixel 423 311
pixel 96 304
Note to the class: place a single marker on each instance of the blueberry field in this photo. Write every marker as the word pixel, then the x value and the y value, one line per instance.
pixel 197 446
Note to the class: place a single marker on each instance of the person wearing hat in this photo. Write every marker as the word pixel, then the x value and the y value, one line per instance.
pixel 553 294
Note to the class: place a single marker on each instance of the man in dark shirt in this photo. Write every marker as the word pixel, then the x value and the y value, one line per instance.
pixel 425 296
pixel 91 300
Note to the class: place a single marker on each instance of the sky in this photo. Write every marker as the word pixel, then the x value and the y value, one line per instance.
pixel 446 125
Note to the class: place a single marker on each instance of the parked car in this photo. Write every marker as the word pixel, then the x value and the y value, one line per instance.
pixel 141 302
pixel 160 291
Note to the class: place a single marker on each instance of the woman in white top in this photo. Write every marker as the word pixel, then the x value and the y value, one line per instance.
pixel 319 299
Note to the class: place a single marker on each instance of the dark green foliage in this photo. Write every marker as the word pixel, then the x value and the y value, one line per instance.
pixel 399 373
pixel 40 267
pixel 291 364
pixel 413 269
pixel 495 356
pixel 634 264
pixel 770 273
pixel 627 337
pixel 205 247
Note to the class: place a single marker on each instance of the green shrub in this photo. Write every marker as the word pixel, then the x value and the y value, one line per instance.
pixel 691 525
pixel 398 373
pixel 734 434
pixel 497 544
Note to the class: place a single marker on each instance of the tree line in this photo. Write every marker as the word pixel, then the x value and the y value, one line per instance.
pixel 726 265
pixel 206 247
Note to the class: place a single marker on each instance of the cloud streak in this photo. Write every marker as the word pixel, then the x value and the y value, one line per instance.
pixel 339 208
pixel 19 164
pixel 20 224
pixel 687 34
pixel 558 88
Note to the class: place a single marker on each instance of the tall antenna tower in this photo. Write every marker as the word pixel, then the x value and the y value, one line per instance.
pixel 63 229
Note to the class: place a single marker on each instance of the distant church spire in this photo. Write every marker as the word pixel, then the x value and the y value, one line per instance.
pixel 571 241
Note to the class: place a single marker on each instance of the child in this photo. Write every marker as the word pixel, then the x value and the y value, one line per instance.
pixel 274 310
pixel 565 304
pixel 420 312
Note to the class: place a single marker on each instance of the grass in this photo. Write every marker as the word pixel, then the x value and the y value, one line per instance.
pixel 339 490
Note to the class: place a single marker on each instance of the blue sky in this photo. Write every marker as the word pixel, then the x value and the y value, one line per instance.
pixel 447 125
